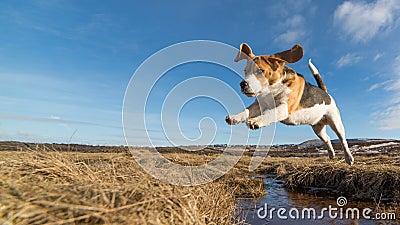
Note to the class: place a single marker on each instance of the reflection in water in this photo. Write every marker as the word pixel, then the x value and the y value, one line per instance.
pixel 278 197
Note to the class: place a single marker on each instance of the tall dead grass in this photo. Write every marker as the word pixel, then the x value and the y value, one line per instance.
pixel 43 186
pixel 373 178
pixel 49 187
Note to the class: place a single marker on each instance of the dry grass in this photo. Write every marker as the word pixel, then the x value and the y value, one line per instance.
pixel 48 187
pixel 371 178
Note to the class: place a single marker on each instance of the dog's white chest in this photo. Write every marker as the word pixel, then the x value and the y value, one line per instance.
pixel 310 116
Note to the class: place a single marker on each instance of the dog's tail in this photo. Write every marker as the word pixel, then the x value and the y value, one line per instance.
pixel 317 76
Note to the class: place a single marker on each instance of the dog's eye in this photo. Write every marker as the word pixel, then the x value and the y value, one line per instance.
pixel 259 71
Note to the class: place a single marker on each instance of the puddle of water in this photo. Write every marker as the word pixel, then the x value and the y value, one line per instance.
pixel 278 197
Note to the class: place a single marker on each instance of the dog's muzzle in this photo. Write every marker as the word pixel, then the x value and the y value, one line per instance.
pixel 244 86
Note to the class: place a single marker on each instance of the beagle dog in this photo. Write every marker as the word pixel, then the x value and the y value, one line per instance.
pixel 283 95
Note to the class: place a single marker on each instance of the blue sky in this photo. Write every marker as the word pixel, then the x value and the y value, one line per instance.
pixel 65 65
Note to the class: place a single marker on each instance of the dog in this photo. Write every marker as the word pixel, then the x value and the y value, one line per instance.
pixel 283 95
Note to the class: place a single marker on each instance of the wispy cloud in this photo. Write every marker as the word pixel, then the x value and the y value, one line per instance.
pixel 377 56
pixel 348 59
pixel 377 86
pixel 294 30
pixel 362 21
pixel 21 135
pixel 291 26
pixel 374 86
pixel 394 84
pixel 53 119
pixel 389 117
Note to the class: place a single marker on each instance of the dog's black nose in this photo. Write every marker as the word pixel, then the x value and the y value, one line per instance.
pixel 243 84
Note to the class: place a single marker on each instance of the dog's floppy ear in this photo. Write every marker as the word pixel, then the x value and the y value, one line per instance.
pixel 292 55
pixel 245 52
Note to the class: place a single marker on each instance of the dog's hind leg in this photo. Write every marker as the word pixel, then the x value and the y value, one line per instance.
pixel 335 122
pixel 320 131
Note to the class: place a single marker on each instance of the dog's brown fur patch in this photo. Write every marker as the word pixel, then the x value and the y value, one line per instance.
pixel 296 86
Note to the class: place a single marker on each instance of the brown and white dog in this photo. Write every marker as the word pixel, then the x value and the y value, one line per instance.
pixel 285 96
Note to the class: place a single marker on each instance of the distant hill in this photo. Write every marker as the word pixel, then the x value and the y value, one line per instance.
pixel 358 145
pixel 360 141
pixel 355 143
pixel 22 146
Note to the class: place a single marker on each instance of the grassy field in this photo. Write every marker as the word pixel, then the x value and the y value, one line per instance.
pixel 43 186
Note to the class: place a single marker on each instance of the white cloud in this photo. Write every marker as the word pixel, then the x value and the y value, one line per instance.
pixel 362 21
pixel 348 59
pixel 52 120
pixel 55 117
pixel 290 37
pixel 375 86
pixel 394 84
pixel 377 56
pixel 389 117
pixel 294 28
pixel 21 135
pixel 294 21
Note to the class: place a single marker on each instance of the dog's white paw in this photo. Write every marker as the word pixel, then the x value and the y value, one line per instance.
pixel 349 159
pixel 255 123
pixel 232 120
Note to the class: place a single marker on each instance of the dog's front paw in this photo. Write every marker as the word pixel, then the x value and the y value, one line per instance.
pixel 254 123
pixel 231 120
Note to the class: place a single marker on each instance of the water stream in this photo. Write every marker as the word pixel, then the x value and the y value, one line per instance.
pixel 282 207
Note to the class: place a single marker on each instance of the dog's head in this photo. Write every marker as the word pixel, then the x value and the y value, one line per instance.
pixel 266 70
